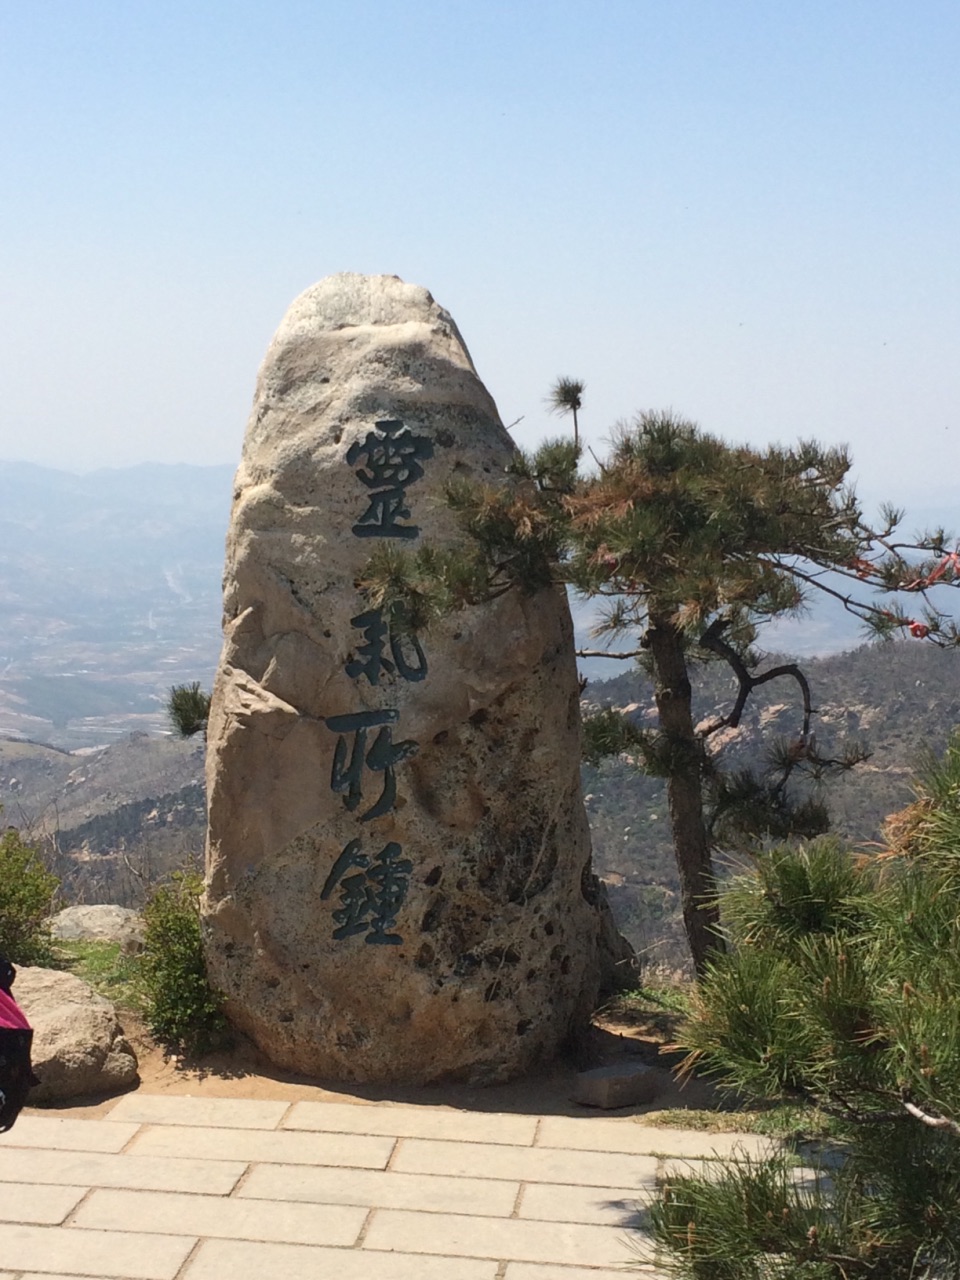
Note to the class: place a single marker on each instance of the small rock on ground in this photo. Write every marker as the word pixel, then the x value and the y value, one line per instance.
pixel 79 1047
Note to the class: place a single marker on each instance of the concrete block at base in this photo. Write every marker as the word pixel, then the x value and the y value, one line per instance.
pixel 624 1084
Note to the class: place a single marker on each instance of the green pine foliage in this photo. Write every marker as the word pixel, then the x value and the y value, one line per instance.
pixel 27 893
pixel 566 396
pixel 182 1010
pixel 691 544
pixel 189 709
pixel 841 988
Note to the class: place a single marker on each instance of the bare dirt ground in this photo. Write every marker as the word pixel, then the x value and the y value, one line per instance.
pixel 244 1072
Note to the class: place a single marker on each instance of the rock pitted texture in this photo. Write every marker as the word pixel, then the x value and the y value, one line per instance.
pixel 398 849
pixel 78 1044
pixel 99 922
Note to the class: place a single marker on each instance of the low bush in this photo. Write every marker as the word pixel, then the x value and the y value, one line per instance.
pixel 189 709
pixel 841 989
pixel 112 972
pixel 27 891
pixel 181 1008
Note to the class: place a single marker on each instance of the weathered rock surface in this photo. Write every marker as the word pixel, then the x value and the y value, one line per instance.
pixel 398 854
pixel 621 1084
pixel 99 922
pixel 619 963
pixel 78 1044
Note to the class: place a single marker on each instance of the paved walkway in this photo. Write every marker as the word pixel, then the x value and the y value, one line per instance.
pixel 180 1188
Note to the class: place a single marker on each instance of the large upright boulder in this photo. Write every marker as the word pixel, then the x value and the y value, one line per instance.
pixel 398 882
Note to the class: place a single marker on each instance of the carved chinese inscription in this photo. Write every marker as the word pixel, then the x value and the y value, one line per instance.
pixel 372 660
pixel 372 889
pixel 380 757
pixel 370 897
pixel 393 455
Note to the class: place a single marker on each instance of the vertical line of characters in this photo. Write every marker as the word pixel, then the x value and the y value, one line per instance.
pixel 371 887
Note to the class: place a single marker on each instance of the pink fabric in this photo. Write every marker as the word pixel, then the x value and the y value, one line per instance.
pixel 11 1015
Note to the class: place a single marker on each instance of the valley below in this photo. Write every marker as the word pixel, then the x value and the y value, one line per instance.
pixel 110 594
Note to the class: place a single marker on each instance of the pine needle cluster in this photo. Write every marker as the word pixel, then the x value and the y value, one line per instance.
pixel 188 707
pixel 841 988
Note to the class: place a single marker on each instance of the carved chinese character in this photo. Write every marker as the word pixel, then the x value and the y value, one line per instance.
pixel 382 757
pixel 371 661
pixel 393 455
pixel 371 898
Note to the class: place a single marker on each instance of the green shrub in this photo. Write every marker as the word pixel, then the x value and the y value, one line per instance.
pixel 27 891
pixel 842 989
pixel 111 972
pixel 189 709
pixel 182 1009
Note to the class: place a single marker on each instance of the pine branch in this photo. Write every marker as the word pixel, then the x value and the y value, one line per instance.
pixel 712 640
pixel 605 653
pixel 935 1122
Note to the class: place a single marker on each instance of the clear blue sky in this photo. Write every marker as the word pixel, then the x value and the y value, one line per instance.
pixel 749 211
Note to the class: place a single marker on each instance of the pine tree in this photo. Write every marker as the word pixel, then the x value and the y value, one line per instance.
pixel 692 543
pixel 841 989
pixel 566 396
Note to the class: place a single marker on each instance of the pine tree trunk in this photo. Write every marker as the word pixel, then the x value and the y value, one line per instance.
pixel 685 791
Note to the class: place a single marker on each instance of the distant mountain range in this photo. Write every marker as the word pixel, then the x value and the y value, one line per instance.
pixel 109 593
pixel 110 818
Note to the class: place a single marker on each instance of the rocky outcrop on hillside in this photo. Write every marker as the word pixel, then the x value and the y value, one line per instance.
pixel 50 792
pixel 100 922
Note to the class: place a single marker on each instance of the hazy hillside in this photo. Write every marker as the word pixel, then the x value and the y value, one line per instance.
pixel 901 700
pixel 139 803
pixel 109 593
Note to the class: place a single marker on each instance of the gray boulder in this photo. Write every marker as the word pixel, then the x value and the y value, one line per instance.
pixel 99 923
pixel 78 1045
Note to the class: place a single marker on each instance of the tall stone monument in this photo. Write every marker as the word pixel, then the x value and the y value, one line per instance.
pixel 398 879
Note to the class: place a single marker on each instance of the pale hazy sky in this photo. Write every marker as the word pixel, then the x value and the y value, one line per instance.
pixel 748 211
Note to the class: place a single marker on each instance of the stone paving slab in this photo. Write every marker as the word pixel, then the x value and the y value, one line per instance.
pixel 210 1113
pixel 37 1204
pixel 576 1134
pixel 148 1173
pixel 356 1151
pixel 181 1188
pixel 130 1255
pixel 54 1134
pixel 713 1169
pixel 603 1206
pixel 167 1213
pixel 414 1122
pixel 539 1271
pixel 49 1275
pixel 373 1188
pixel 238 1260
pixel 459 1235
pixel 524 1164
